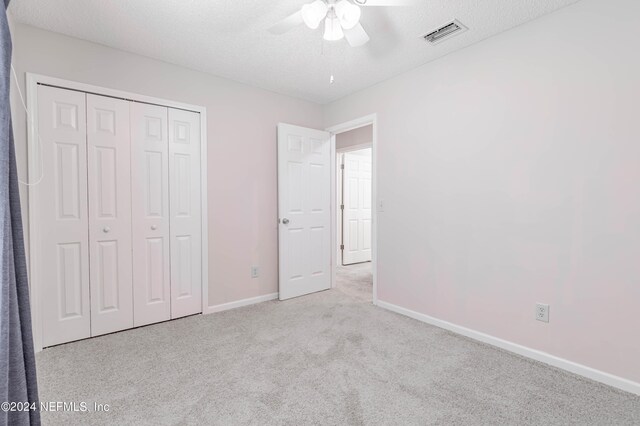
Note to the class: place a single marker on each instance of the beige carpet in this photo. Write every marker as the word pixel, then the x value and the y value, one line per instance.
pixel 356 280
pixel 330 358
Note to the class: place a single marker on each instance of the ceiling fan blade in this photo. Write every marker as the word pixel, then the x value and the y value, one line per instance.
pixel 387 2
pixel 287 23
pixel 356 36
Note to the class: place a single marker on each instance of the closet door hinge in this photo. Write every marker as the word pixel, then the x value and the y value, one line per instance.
pixel 341 206
pixel 342 166
pixel 341 246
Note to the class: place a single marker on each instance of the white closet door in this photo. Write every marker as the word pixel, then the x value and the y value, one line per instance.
pixel 108 140
pixel 185 208
pixel 61 211
pixel 150 214
pixel 357 207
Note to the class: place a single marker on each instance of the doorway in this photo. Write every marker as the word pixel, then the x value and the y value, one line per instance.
pixel 354 209
pixel 307 213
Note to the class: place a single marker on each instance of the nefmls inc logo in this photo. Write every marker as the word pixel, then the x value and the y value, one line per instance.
pixel 64 406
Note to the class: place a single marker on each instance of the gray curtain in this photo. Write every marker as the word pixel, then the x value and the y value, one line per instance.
pixel 17 361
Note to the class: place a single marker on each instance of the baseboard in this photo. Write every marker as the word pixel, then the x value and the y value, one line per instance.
pixel 579 369
pixel 241 303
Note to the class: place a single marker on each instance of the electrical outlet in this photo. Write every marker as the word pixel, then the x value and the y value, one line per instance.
pixel 380 206
pixel 255 271
pixel 542 312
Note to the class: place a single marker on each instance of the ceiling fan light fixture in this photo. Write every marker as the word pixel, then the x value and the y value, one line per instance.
pixel 314 13
pixel 348 14
pixel 332 29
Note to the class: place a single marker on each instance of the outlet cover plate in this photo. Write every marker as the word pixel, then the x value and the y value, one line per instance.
pixel 542 312
pixel 255 272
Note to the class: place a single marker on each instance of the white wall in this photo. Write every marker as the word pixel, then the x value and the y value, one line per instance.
pixel 242 145
pixel 360 136
pixel 510 173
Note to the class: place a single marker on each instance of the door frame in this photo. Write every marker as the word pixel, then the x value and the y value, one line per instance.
pixel 339 212
pixel 33 166
pixel 371 119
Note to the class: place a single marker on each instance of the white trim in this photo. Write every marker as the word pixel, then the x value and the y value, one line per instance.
pixel 32 82
pixel 354 124
pixel 241 303
pixel 334 208
pixel 105 91
pixel 339 185
pixel 341 128
pixel 204 210
pixel 564 364
pixel 33 162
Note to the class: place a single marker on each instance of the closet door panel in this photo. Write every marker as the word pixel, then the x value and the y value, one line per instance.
pixel 185 210
pixel 61 209
pixel 109 170
pixel 150 213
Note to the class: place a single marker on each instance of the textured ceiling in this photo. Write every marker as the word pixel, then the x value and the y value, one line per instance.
pixel 229 38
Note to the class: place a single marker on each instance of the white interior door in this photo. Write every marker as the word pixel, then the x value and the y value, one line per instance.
pixel 356 223
pixel 109 171
pixel 185 210
pixel 304 210
pixel 61 211
pixel 150 213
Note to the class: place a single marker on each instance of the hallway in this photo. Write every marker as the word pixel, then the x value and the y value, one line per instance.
pixel 356 280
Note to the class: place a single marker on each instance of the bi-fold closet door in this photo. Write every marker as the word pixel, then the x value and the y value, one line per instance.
pixel 62 221
pixel 109 198
pixel 185 212
pixel 118 214
pixel 165 160
pixel 150 207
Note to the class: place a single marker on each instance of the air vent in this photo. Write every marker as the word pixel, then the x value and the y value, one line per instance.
pixel 444 32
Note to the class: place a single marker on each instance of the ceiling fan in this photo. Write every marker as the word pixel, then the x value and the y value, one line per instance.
pixel 341 18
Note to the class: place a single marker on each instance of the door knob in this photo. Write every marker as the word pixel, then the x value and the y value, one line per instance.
pixel 154 227
pixel 285 220
pixel 106 229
